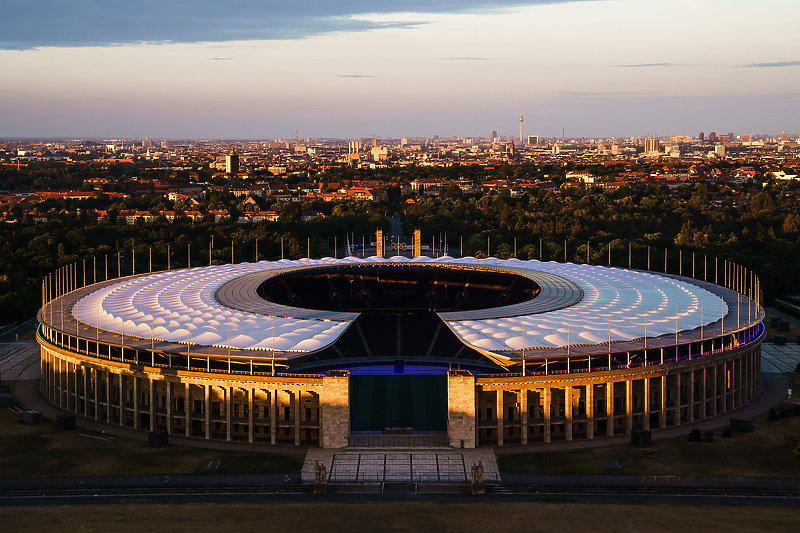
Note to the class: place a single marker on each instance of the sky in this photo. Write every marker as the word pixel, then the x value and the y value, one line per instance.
pixel 262 69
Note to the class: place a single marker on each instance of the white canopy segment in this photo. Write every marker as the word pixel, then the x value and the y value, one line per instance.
pixel 180 306
pixel 617 303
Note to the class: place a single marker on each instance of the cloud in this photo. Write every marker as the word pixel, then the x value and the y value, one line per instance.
pixel 30 24
pixel 774 64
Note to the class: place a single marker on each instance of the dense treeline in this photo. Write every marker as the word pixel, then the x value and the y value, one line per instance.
pixel 760 230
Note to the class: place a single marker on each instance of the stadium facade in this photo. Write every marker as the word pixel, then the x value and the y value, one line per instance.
pixel 380 352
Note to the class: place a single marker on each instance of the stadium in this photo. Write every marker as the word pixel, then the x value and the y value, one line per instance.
pixel 376 352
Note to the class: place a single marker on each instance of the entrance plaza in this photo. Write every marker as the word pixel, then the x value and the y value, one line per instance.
pixel 379 466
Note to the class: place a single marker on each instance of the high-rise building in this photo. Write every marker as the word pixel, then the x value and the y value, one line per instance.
pixel 785 137
pixel 720 150
pixel 651 146
pixel 533 139
pixel 232 162
pixel 353 147
pixel 492 135
pixel 712 137
pixel 701 136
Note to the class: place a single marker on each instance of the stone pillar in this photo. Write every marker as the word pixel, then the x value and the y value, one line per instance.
pixel 335 399
pixel 207 410
pixel 250 416
pixel 188 408
pixel 228 412
pixel 610 409
pixel 590 411
pixel 646 404
pixel 500 415
pixel 85 371
pixel 153 402
pixel 724 396
pixel 523 416
pixel 568 412
pixel 714 378
pixel 676 414
pixel 273 417
pixel 122 400
pixel 739 382
pixel 136 394
pixel 108 397
pixel 546 401
pixel 628 406
pixel 662 416
pixel 96 395
pixel 170 402
pixel 461 423
pixel 690 398
pixel 297 404
pixel 703 392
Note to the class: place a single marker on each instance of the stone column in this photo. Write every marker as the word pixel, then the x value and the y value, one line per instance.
pixel 703 392
pixel 628 406
pixel 85 371
pixel 662 416
pixel 523 416
pixel 714 378
pixel 646 404
pixel 500 415
pixel 546 406
pixel 96 395
pixel 108 397
pixel 335 400
pixel 136 394
pixel 297 403
pixel 590 411
pixel 153 402
pixel 690 398
pixel 228 412
pixel 273 417
pixel 568 412
pixel 610 409
pixel 170 402
pixel 123 415
pixel 207 410
pixel 739 383
pixel 250 417
pixel 461 423
pixel 188 408
pixel 724 396
pixel 676 414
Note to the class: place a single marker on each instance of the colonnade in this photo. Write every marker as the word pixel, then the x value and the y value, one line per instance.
pixel 281 409
pixel 519 410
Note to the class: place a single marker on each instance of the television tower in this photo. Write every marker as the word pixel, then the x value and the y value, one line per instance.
pixel 521 120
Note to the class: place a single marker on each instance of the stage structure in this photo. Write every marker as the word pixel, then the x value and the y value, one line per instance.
pixel 398 352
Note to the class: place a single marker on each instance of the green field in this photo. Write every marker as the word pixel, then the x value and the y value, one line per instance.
pixel 44 451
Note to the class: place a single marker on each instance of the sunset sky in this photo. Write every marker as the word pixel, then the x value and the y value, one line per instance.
pixel 261 68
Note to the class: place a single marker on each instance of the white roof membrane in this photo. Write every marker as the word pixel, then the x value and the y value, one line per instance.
pixel 180 306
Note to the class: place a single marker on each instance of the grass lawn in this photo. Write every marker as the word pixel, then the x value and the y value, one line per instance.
pixel 329 517
pixel 44 451
pixel 761 453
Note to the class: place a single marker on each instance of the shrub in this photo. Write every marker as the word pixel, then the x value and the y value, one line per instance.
pixel 694 435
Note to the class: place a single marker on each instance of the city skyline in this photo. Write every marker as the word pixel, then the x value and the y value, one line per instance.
pixel 260 70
